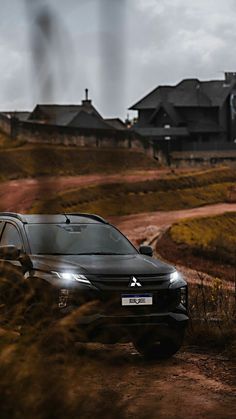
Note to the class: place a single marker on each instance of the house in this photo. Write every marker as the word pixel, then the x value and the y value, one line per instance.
pixel 191 116
pixel 77 116
pixel 80 125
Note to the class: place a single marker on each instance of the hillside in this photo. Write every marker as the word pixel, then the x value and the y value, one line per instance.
pixel 207 242
pixel 168 193
pixel 33 161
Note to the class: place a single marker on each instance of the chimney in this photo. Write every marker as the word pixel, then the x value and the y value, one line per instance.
pixel 230 77
pixel 87 101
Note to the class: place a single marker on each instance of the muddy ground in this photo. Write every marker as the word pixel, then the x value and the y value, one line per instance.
pixel 193 384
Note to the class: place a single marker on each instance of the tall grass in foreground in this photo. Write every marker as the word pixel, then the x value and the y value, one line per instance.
pixel 44 374
pixel 212 311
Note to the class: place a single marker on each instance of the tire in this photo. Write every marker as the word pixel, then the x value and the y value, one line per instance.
pixel 154 347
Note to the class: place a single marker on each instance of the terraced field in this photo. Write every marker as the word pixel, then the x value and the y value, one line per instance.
pixel 169 193
pixel 40 160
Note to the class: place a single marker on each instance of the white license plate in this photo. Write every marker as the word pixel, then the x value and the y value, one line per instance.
pixel 136 300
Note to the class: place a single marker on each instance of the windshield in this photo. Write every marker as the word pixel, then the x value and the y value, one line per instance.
pixel 77 239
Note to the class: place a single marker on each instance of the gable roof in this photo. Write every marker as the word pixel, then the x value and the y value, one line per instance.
pixel 116 123
pixel 62 115
pixel 188 93
pixel 170 110
pixel 88 120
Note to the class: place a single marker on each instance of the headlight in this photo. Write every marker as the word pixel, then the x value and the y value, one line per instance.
pixel 174 276
pixel 68 276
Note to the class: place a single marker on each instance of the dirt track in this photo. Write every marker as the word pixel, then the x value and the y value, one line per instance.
pixel 192 384
pixel 18 195
pixel 147 226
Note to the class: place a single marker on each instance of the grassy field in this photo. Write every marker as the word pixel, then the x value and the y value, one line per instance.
pixel 213 237
pixel 33 161
pixel 207 244
pixel 173 192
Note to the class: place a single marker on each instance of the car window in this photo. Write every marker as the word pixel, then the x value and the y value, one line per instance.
pixel 11 236
pixel 75 239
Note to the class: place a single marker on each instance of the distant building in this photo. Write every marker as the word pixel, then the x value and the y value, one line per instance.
pixel 78 125
pixel 77 116
pixel 191 116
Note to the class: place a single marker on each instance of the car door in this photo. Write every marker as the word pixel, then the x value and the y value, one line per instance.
pixel 11 235
pixel 12 289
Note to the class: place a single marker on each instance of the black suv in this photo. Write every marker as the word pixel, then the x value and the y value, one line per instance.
pixel 84 265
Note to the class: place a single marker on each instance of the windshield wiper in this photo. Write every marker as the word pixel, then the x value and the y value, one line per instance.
pixel 102 253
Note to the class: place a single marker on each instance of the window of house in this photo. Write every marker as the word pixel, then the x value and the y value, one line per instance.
pixel 11 236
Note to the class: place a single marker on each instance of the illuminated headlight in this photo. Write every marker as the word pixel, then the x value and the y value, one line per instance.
pixel 68 276
pixel 174 276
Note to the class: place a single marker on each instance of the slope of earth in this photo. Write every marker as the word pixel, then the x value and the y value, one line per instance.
pixel 21 194
pixel 177 191
pixel 37 160
pixel 207 242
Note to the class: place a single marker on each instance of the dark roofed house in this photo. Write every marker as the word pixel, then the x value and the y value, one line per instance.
pixel 77 116
pixel 79 124
pixel 193 115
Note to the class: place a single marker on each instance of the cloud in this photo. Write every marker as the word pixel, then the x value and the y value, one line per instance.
pixel 119 49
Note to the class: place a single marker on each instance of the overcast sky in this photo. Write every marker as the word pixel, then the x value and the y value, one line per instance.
pixel 119 49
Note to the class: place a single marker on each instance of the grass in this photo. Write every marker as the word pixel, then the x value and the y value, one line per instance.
pixel 212 237
pixel 34 161
pixel 170 193
pixel 212 316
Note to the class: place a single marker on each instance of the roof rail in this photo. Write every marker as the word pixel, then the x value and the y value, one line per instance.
pixel 13 215
pixel 92 216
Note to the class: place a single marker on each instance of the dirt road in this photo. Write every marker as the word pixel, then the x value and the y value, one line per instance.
pixel 18 195
pixel 146 226
pixel 190 385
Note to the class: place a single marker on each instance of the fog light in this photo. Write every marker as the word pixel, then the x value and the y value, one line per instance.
pixel 183 295
pixel 63 298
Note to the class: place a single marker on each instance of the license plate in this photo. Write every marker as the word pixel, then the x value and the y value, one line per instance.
pixel 136 300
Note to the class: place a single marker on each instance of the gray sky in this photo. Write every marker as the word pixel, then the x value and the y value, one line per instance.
pixel 119 49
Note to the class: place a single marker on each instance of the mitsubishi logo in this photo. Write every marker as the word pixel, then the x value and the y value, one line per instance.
pixel 134 282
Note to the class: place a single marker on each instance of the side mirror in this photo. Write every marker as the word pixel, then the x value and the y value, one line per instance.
pixel 9 253
pixel 146 250
pixel 13 253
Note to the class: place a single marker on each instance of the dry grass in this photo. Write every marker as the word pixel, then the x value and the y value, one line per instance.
pixel 212 312
pixel 34 161
pixel 212 237
pixel 169 193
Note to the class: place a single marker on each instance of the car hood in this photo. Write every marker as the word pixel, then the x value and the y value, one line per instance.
pixel 102 264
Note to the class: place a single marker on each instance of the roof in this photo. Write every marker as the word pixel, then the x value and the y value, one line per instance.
pixel 170 110
pixel 62 115
pixel 54 218
pixel 152 99
pixel 22 116
pixel 116 123
pixel 88 120
pixel 187 93
pixel 78 116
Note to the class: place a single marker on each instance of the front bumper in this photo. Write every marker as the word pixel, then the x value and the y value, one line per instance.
pixel 114 328
pixel 99 316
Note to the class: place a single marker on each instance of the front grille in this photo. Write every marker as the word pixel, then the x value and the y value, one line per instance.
pixel 163 301
pixel 121 283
